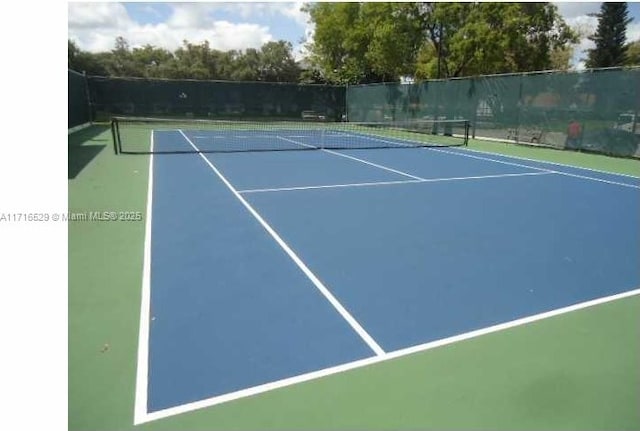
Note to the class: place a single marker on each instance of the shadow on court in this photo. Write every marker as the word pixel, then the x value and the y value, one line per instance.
pixel 84 145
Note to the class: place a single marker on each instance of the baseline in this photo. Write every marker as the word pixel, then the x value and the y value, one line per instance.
pixel 380 358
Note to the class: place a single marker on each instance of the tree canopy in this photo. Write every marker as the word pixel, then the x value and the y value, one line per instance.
pixel 633 53
pixel 364 42
pixel 610 36
pixel 273 62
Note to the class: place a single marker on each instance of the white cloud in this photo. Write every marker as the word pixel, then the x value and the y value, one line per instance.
pixel 576 15
pixel 290 10
pixel 299 50
pixel 293 11
pixel 227 35
pixel 633 31
pixel 585 26
pixel 576 9
pixel 189 15
pixel 95 26
pixel 97 16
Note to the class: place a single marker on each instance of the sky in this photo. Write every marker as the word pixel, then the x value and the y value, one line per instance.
pixel 94 26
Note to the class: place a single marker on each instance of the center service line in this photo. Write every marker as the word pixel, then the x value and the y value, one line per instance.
pixel 366 162
pixel 303 267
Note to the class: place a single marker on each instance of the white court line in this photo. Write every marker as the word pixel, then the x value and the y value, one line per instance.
pixel 385 183
pixel 303 267
pixel 228 136
pixel 142 372
pixel 329 186
pixel 296 142
pixel 522 165
pixel 584 177
pixel 396 143
pixel 600 180
pixel 356 159
pixel 140 409
pixel 366 162
pixel 552 163
pixel 160 414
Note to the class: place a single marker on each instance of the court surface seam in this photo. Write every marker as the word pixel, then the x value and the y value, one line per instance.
pixel 373 345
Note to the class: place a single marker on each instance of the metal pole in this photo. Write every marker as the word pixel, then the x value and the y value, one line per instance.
pixel 439 49
pixel 86 89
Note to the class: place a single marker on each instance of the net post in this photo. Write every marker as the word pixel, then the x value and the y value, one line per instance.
pixel 467 126
pixel 119 137
pixel 113 136
pixel 115 133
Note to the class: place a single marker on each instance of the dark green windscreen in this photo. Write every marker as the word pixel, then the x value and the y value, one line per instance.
pixel 537 108
pixel 215 99
pixel 78 103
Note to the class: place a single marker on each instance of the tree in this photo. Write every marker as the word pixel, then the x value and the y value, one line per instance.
pixel 312 76
pixel 72 51
pixel 194 61
pixel 365 42
pixel 277 63
pixel 633 54
pixel 82 61
pixel 562 55
pixel 337 51
pixel 396 34
pixel 484 38
pixel 560 58
pixel 610 36
pixel 151 60
pixel 246 65
pixel 121 62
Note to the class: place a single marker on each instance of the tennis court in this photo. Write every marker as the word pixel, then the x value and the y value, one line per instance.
pixel 264 269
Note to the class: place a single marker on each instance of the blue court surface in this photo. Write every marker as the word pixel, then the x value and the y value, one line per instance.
pixel 266 266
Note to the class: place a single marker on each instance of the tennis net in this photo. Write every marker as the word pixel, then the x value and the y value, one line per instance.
pixel 133 135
